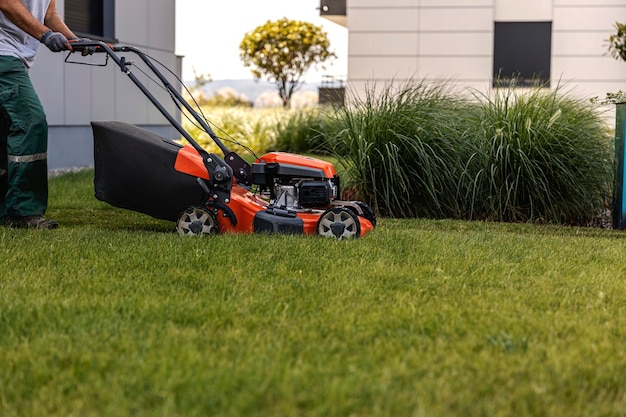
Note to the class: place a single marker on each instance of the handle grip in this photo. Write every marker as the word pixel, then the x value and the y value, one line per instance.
pixel 79 45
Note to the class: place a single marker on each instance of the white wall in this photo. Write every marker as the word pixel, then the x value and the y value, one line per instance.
pixel 453 40
pixel 579 41
pixel 523 11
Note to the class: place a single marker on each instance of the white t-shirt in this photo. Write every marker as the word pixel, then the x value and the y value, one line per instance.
pixel 14 41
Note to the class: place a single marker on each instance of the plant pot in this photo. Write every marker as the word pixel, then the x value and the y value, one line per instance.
pixel 619 197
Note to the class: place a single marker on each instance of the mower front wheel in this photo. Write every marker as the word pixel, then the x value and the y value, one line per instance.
pixel 339 223
pixel 197 221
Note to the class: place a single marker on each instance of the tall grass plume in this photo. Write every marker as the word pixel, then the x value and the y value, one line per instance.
pixel 420 150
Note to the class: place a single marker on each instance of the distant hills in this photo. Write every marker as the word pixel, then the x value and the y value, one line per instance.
pixel 250 88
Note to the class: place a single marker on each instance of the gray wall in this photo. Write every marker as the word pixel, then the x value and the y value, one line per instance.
pixel 75 95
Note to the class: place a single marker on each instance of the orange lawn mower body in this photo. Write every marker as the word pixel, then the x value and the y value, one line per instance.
pixel 207 194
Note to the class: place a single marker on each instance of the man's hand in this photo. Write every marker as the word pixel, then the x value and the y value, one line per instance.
pixel 86 50
pixel 55 41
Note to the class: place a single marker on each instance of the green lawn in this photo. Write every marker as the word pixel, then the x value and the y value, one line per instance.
pixel 114 314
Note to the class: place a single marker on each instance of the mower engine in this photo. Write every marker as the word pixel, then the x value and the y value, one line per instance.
pixel 305 193
pixel 295 182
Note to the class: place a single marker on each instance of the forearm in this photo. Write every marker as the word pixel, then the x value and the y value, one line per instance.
pixel 17 13
pixel 54 22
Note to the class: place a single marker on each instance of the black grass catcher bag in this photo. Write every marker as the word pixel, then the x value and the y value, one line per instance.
pixel 134 169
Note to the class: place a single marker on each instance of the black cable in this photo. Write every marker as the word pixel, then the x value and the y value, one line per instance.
pixel 230 139
pixel 184 111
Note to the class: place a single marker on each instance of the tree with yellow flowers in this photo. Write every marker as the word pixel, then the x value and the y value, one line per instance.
pixel 282 52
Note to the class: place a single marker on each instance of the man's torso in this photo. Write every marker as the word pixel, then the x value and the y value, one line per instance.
pixel 14 41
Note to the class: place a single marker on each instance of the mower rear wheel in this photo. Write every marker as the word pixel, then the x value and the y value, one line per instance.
pixel 339 223
pixel 197 221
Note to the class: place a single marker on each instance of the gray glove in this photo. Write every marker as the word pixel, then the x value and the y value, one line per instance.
pixel 55 41
pixel 89 50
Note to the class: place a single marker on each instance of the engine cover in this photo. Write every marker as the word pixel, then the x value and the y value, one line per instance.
pixel 285 167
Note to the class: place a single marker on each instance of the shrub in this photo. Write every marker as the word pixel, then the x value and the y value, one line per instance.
pixel 402 148
pixel 295 130
pixel 544 156
pixel 303 130
pixel 251 128
pixel 418 150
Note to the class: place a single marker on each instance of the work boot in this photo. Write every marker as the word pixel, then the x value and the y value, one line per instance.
pixel 30 222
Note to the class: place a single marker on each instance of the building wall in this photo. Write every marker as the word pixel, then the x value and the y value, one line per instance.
pixel 454 40
pixel 579 44
pixel 75 95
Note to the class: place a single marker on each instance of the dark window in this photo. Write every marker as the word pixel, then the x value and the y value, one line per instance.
pixel 333 7
pixel 522 52
pixel 93 18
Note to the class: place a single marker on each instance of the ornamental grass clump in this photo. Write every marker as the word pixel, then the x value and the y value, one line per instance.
pixel 514 155
pixel 303 130
pixel 403 147
pixel 544 156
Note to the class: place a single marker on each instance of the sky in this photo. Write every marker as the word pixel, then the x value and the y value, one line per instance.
pixel 208 34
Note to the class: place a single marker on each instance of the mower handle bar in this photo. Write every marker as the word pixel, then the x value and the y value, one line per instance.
pixel 125 66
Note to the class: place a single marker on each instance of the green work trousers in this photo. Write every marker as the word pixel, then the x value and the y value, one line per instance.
pixel 23 143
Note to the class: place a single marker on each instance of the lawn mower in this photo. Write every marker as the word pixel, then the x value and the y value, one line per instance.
pixel 204 193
